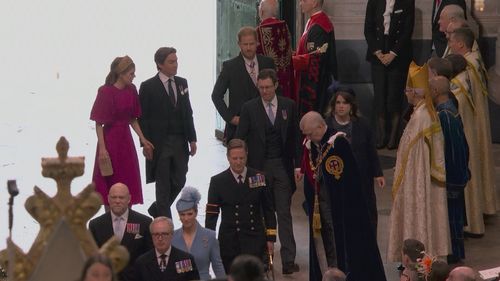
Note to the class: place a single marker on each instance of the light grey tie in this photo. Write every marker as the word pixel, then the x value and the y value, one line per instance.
pixel 270 112
pixel 118 227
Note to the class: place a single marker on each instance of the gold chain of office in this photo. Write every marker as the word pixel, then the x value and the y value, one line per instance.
pixel 319 159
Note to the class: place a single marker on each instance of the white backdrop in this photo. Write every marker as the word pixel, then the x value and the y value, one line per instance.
pixel 53 57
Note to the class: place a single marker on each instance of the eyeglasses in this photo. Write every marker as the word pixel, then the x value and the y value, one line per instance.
pixel 161 234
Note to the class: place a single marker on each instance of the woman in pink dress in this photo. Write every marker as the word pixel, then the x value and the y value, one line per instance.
pixel 115 108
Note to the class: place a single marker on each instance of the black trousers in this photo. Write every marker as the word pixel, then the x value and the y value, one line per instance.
pixel 170 174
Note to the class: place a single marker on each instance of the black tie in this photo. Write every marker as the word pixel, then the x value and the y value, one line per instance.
pixel 163 262
pixel 240 179
pixel 171 91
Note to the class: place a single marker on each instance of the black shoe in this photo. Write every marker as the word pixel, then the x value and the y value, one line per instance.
pixel 291 268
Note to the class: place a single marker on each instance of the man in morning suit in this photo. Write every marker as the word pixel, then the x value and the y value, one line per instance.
pixel 239 76
pixel 165 262
pixel 167 121
pixel 131 227
pixel 270 128
pixel 439 41
pixel 246 202
pixel 388 31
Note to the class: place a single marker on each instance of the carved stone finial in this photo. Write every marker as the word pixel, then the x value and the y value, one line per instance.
pixel 62 148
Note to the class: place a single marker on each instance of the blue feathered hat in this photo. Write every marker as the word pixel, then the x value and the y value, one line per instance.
pixel 190 197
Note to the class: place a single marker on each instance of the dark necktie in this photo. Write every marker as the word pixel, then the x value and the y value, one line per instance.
pixel 163 262
pixel 240 179
pixel 171 91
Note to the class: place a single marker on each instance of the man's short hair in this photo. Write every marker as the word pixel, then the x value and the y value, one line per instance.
pixel 247 268
pixel 439 271
pixel 161 219
pixel 236 143
pixel 465 35
pixel 268 73
pixel 247 30
pixel 458 63
pixel 162 53
pixel 441 66
pixel 413 249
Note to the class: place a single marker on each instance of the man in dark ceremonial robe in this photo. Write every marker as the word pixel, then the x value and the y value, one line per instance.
pixel 329 166
pixel 274 41
pixel 456 157
pixel 315 67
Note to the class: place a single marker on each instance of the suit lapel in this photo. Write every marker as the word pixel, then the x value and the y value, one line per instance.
pixel 161 92
pixel 245 75
pixel 282 119
pixel 264 119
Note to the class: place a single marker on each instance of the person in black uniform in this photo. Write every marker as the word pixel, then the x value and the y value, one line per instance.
pixel 243 195
pixel 388 31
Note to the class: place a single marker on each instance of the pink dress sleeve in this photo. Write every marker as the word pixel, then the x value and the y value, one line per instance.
pixel 102 110
pixel 136 106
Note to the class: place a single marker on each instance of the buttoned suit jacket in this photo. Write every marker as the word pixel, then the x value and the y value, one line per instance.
pixel 241 230
pixel 148 268
pixel 438 37
pixel 235 78
pixel 136 244
pixel 400 31
pixel 252 129
pixel 155 104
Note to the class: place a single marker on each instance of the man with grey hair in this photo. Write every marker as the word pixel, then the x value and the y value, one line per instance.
pixel 331 176
pixel 462 273
pixel 438 35
pixel 274 41
pixel 165 262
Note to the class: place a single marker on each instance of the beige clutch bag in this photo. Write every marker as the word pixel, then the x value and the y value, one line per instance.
pixel 105 167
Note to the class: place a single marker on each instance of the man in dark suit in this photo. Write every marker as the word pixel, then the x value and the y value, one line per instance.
pixel 270 127
pixel 245 199
pixel 239 76
pixel 440 23
pixel 388 31
pixel 131 227
pixel 167 121
pixel 165 262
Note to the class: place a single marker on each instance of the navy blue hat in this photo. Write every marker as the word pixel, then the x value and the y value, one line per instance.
pixel 190 197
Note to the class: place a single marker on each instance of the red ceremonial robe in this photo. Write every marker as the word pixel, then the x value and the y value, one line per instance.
pixel 274 42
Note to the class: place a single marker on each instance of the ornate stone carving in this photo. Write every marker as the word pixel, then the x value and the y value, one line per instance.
pixel 63 210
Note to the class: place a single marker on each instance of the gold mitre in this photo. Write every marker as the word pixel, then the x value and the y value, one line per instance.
pixel 418 77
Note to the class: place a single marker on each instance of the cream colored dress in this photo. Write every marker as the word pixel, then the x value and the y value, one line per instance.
pixel 420 210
